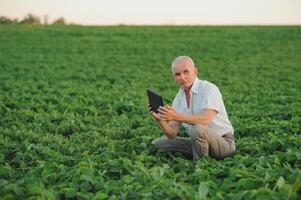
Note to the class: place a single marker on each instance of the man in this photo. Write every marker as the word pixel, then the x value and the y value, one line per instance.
pixel 199 107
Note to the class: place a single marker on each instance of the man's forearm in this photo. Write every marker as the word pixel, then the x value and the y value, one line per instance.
pixel 167 129
pixel 194 119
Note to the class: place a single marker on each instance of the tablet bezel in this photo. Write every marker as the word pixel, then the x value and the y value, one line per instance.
pixel 155 100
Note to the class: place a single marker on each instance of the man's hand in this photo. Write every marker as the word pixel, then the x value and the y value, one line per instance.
pixel 155 115
pixel 167 113
pixel 170 128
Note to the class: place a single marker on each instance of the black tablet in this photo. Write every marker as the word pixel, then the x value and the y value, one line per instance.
pixel 155 100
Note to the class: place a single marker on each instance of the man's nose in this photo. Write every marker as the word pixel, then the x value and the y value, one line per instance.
pixel 182 76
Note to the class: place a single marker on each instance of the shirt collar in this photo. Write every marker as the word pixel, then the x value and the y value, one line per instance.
pixel 194 88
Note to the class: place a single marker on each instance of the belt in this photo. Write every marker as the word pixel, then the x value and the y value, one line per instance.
pixel 228 136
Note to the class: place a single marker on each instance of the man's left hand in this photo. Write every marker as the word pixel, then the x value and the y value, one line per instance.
pixel 168 113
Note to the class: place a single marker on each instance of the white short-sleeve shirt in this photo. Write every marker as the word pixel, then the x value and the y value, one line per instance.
pixel 204 95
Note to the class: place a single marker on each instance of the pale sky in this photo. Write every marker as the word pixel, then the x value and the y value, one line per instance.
pixel 160 12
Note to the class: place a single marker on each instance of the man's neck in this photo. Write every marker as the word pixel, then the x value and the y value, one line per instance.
pixel 187 94
pixel 187 89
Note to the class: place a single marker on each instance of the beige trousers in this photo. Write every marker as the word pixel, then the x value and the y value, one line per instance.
pixel 202 142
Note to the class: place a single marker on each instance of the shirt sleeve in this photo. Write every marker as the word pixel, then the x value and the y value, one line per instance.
pixel 213 98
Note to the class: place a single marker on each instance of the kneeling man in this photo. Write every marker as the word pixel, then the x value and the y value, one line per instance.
pixel 199 107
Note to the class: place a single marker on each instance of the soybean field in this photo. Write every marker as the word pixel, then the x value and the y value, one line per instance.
pixel 74 122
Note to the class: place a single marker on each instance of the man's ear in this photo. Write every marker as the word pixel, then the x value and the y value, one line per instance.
pixel 196 71
pixel 173 76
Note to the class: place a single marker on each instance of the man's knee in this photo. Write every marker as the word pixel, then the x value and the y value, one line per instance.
pixel 198 131
pixel 155 142
pixel 159 143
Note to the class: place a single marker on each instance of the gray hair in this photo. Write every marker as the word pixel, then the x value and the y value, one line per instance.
pixel 179 59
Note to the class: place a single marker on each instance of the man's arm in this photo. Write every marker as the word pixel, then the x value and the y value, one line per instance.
pixel 204 118
pixel 170 128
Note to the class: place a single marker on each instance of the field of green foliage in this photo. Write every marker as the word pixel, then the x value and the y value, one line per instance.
pixel 74 122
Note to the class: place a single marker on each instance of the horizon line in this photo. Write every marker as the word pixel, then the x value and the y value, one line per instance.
pixel 125 24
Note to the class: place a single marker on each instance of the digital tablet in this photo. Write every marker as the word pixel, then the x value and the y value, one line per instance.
pixel 155 100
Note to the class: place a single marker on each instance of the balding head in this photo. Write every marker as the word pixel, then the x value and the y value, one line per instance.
pixel 184 71
pixel 180 60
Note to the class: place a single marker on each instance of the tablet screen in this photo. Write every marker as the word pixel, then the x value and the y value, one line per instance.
pixel 155 100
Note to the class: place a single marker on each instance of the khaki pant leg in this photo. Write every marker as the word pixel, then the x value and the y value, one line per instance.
pixel 178 144
pixel 205 142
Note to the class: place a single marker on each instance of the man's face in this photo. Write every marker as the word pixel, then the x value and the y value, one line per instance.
pixel 184 73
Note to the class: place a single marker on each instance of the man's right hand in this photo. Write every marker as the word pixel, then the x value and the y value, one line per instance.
pixel 170 130
pixel 154 115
